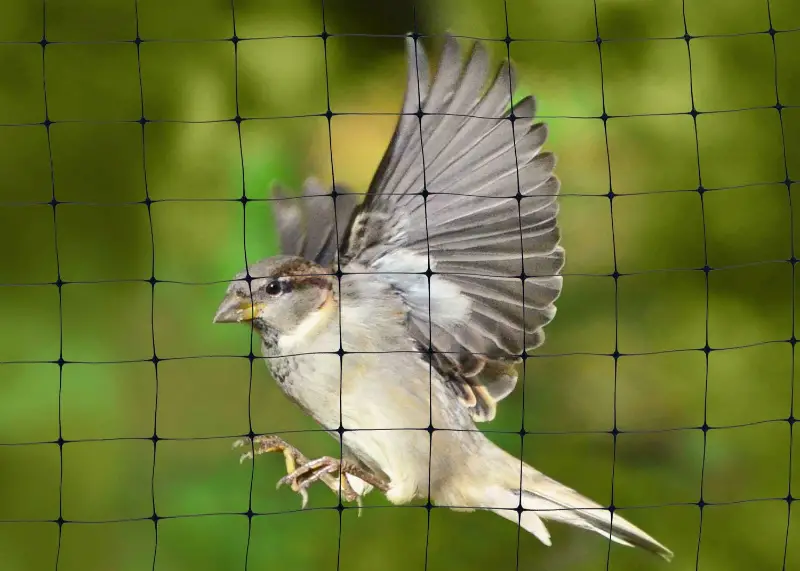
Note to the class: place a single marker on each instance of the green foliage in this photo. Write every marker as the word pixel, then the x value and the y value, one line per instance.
pixel 198 231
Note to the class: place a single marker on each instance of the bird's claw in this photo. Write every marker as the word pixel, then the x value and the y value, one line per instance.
pixel 263 444
pixel 320 469
pixel 301 472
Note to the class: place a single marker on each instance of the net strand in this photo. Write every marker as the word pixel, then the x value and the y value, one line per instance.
pixel 708 269
pixel 326 114
pixel 161 518
pixel 615 275
pixel 428 274
pixel 498 432
pixel 706 349
pixel 152 281
pixel 487 39
pixel 245 200
pixel 58 283
pixel 340 507
pixel 781 183
pixel 793 260
pixel 512 119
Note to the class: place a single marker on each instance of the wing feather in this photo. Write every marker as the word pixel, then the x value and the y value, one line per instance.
pixel 316 241
pixel 464 190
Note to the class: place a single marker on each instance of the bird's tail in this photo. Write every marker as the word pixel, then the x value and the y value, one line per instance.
pixel 542 498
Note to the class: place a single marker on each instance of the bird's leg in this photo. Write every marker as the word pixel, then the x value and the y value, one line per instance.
pixel 310 472
pixel 302 472
pixel 292 458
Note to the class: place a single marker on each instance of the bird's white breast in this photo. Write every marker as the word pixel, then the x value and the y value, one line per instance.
pixel 379 391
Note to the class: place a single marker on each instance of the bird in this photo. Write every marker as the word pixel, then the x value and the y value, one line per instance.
pixel 397 317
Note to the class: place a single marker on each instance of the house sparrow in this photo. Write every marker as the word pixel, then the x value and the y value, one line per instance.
pixel 396 322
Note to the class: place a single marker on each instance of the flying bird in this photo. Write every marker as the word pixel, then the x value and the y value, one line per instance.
pixel 396 318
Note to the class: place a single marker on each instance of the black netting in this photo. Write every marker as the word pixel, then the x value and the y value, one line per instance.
pixel 702 191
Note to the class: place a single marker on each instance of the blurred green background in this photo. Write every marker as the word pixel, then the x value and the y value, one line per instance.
pixel 572 395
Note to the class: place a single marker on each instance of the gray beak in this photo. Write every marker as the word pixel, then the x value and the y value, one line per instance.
pixel 235 310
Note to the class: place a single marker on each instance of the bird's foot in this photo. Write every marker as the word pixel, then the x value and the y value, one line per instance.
pixel 321 469
pixel 292 458
pixel 325 467
pixel 302 472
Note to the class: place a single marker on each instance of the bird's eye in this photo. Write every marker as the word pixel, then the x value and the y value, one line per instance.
pixel 273 288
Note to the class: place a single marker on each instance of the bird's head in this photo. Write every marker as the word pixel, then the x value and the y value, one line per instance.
pixel 282 295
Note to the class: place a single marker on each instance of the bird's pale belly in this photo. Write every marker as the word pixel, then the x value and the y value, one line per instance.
pixel 385 419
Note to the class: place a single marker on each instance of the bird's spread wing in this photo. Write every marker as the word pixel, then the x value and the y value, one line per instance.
pixel 460 218
pixel 307 224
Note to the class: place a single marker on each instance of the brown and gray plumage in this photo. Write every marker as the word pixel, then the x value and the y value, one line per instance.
pixel 469 269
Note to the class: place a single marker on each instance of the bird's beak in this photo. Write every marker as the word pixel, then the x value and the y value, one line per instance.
pixel 234 310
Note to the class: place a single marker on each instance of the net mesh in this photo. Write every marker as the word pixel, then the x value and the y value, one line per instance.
pixel 702 192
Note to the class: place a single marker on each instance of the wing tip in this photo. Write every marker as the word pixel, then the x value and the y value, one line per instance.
pixel 485 408
pixel 312 186
pixel 277 189
pixel 525 107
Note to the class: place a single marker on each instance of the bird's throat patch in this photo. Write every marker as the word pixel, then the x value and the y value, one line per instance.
pixel 307 329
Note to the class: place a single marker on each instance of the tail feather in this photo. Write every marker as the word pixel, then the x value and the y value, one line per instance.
pixel 527 520
pixel 545 499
